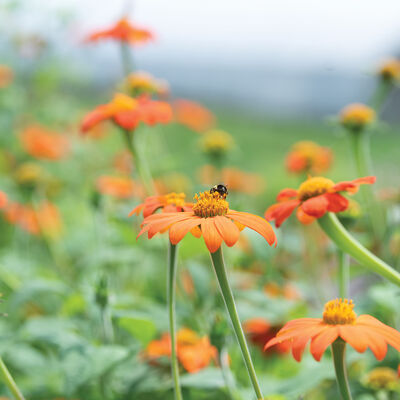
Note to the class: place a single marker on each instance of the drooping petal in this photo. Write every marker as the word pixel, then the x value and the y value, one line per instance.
pixel 316 206
pixel 163 224
pixel 320 342
pixel 178 231
pixel 303 217
pixel 336 202
pixel 299 342
pixel 281 211
pixel 210 234
pixel 352 186
pixel 377 344
pixel 227 229
pixel 354 336
pixel 258 224
pixel 286 194
pixel 136 210
pixel 196 232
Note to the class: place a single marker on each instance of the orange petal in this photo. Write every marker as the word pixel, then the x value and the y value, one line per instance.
pixel 210 234
pixel 136 210
pixel 281 211
pixel 336 202
pixel 352 186
pixel 256 223
pixel 227 229
pixel 303 217
pixel 286 194
pixel 300 341
pixel 196 232
pixel 320 342
pixel 316 206
pixel 354 336
pixel 178 231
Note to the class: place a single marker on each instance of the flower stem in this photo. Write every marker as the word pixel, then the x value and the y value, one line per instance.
pixel 140 165
pixel 9 381
pixel 379 97
pixel 171 287
pixel 339 235
pixel 127 59
pixel 343 274
pixel 338 352
pixel 220 270
pixel 362 156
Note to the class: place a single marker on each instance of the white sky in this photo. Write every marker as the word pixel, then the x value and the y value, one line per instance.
pixel 339 33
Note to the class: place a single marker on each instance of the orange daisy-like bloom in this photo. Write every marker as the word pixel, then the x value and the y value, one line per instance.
pixel 315 197
pixel 123 31
pixel 210 218
pixel 338 321
pixel 6 76
pixel 171 202
pixel 44 144
pixel 128 112
pixel 307 156
pixel 143 83
pixel 390 70
pixel 356 116
pixel 193 115
pixel 194 352
pixel 120 187
pixel 3 200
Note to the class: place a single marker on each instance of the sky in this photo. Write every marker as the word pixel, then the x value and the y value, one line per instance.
pixel 348 34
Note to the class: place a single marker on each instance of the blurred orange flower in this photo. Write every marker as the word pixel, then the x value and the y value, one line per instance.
pixel 128 112
pixel 194 352
pixel 193 115
pixel 3 200
pixel 339 321
pixel 234 179
pixel 356 116
pixel 121 187
pixel 288 291
pixel 143 83
pixel 390 70
pixel 123 162
pixel 6 76
pixel 123 31
pixel 44 219
pixel 44 144
pixel 315 197
pixel 307 156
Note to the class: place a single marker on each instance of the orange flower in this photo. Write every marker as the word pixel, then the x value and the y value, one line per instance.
pixel 43 219
pixel 6 76
pixel 172 202
pixel 390 70
pixel 288 291
pixel 194 352
pixel 44 144
pixel 123 162
pixel 120 187
pixel 211 213
pixel 307 156
pixel 356 116
pixel 315 197
pixel 128 112
pixel 3 200
pixel 193 115
pixel 339 321
pixel 143 83
pixel 123 31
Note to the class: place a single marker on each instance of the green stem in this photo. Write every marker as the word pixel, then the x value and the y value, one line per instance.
pixel 171 288
pixel 362 156
pixel 127 59
pixel 343 274
pixel 227 375
pixel 338 352
pixel 141 167
pixel 108 331
pixel 379 97
pixel 9 381
pixel 339 235
pixel 220 270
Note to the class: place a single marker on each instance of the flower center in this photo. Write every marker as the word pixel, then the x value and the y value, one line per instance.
pixel 210 205
pixel 314 187
pixel 177 199
pixel 339 312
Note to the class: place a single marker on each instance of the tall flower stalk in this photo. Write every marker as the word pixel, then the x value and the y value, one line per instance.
pixel 339 362
pixel 9 381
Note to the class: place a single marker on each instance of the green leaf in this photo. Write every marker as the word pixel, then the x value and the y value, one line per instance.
pixel 142 329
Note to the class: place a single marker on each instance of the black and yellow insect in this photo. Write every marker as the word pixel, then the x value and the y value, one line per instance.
pixel 220 189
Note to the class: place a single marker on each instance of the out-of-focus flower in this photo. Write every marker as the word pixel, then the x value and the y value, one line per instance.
pixel 121 187
pixel 123 162
pixel 216 142
pixel 44 144
pixel 29 173
pixel 234 179
pixel 123 31
pixel 139 83
pixel 390 70
pixel 193 115
pixel 357 116
pixel 43 219
pixel 6 76
pixel 288 291
pixel 307 156
pixel 339 321
pixel 260 331
pixel 128 112
pixel 315 197
pixel 382 378
pixel 171 202
pixel 194 352
pixel 3 200
pixel 174 182
pixel 218 223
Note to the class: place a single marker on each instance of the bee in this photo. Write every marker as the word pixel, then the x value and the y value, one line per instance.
pixel 220 189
